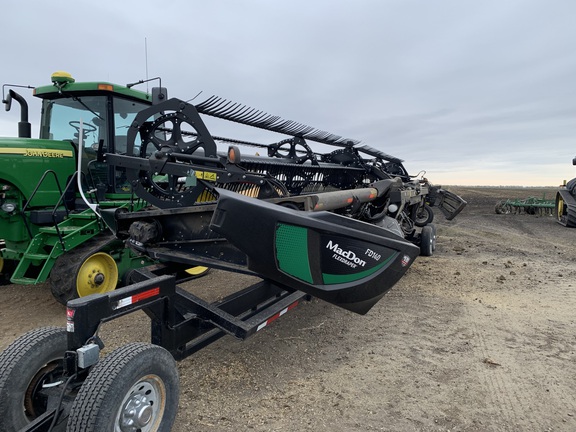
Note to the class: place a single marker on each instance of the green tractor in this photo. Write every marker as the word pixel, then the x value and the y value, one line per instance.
pixel 566 203
pixel 48 228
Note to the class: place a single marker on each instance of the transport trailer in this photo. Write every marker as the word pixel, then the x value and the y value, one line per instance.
pixel 53 379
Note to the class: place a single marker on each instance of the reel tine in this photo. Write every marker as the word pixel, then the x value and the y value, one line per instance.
pixel 222 108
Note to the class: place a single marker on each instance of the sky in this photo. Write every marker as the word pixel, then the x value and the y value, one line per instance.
pixel 471 92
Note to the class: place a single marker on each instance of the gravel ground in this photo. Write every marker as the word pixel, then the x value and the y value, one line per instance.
pixel 478 337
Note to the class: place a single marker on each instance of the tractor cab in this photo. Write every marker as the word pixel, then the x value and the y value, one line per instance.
pixel 47 222
pixel 94 118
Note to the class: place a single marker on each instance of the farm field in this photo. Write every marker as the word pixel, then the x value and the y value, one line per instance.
pixel 479 337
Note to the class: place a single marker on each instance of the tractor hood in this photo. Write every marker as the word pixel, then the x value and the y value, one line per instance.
pixel 24 161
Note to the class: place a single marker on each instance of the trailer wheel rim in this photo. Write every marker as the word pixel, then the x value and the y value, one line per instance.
pixel 98 274
pixel 48 375
pixel 143 406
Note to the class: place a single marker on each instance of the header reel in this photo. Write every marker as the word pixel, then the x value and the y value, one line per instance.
pixel 172 160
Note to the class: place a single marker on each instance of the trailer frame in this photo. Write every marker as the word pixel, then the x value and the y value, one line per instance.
pixel 181 322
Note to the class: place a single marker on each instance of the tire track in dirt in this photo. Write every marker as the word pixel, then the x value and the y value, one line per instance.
pixel 521 369
pixel 521 345
pixel 26 307
pixel 507 406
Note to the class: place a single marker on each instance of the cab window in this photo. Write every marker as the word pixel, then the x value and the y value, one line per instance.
pixel 63 118
pixel 124 113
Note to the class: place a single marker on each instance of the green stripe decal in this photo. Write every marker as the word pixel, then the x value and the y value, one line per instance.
pixel 332 279
pixel 292 251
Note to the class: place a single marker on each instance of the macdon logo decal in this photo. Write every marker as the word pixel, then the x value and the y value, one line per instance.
pixel 347 257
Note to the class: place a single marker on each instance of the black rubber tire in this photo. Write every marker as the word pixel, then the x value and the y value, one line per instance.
pixel 7 267
pixel 24 365
pixel 565 209
pixel 433 226
pixel 427 241
pixel 64 273
pixel 107 389
pixel 424 216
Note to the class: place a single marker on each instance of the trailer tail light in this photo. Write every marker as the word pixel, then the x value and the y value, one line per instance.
pixel 70 320
pixel 276 316
pixel 127 301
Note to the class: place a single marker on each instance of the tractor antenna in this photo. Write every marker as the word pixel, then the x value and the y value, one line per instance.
pixel 146 60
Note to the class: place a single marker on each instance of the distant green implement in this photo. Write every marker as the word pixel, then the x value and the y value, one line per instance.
pixel 530 205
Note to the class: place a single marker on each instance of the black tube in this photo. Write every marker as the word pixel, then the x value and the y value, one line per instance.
pixel 24 130
pixel 24 127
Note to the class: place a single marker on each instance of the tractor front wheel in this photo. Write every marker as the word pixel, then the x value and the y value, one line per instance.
pixel 6 269
pixel 133 389
pixel 83 271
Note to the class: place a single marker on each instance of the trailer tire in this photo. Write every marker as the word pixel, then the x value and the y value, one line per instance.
pixel 433 226
pixel 424 216
pixel 136 378
pixel 34 358
pixel 427 241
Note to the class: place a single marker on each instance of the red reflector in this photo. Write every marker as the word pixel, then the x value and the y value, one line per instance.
pixel 293 305
pixel 145 294
pixel 277 315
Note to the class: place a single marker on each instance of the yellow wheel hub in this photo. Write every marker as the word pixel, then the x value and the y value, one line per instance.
pixel 98 274
pixel 197 271
pixel 560 208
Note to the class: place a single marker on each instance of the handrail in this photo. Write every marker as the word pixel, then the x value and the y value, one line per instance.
pixel 34 193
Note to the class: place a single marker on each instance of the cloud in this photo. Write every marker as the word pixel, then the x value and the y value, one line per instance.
pixel 439 84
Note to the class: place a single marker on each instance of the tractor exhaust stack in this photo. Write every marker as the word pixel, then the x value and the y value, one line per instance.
pixel 24 126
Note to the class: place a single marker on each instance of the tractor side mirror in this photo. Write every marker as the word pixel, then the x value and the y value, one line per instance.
pixel 159 94
pixel 8 101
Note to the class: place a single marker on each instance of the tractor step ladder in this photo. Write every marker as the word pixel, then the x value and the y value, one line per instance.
pixel 50 243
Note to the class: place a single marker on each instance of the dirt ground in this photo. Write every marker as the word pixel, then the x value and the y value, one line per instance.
pixel 479 337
